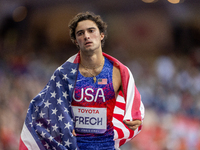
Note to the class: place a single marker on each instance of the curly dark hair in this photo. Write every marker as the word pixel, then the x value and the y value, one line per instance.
pixel 87 16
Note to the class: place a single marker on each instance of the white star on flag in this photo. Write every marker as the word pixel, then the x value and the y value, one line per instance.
pixel 70 86
pixel 32 101
pixel 55 127
pixel 53 94
pixel 66 110
pixel 33 117
pixel 41 114
pixel 48 130
pixel 67 125
pixel 47 87
pixel 41 93
pixel 31 123
pixel 58 84
pixel 73 71
pixel 48 120
pixel 60 68
pixel 53 77
pixel 65 77
pixel 67 143
pixel 65 94
pixel 58 143
pixel 43 134
pixel 46 104
pixel 50 138
pixel 61 134
pixel 60 117
pixel 39 124
pixel 54 111
pixel 46 145
pixel 59 101
pixel 36 108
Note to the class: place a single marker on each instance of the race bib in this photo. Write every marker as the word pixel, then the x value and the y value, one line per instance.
pixel 90 119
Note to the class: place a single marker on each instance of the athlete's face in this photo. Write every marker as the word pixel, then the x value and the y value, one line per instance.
pixel 88 36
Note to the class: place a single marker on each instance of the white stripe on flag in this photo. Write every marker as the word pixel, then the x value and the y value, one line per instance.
pixel 120 125
pixel 118 110
pixel 120 99
pixel 71 59
pixel 116 142
pixel 115 134
pixel 28 139
pixel 130 98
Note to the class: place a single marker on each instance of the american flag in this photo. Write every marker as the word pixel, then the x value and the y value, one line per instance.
pixel 102 81
pixel 49 124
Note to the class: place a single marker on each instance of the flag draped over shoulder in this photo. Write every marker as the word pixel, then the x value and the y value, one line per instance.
pixel 49 120
pixel 128 106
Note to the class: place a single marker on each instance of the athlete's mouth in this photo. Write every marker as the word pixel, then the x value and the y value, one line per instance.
pixel 87 43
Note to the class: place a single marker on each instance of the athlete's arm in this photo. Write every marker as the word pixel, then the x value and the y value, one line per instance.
pixel 117 84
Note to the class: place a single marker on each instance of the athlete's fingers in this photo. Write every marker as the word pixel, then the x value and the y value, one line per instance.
pixel 74 133
pixel 133 125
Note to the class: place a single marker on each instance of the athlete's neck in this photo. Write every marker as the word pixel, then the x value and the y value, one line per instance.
pixel 91 61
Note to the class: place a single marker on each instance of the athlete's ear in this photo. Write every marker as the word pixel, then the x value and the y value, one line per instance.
pixel 102 36
pixel 76 43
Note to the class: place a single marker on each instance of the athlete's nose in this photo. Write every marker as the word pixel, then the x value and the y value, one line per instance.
pixel 87 36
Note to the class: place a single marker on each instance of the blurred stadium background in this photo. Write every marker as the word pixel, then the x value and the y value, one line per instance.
pixel 159 40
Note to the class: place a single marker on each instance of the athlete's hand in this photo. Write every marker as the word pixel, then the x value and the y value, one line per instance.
pixel 133 124
pixel 73 132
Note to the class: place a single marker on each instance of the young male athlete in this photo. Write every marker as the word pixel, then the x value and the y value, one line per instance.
pixel 90 102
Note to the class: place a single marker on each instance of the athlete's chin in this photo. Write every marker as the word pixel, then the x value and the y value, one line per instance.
pixel 88 50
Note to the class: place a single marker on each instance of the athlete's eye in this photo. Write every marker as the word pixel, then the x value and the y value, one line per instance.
pixel 79 33
pixel 91 30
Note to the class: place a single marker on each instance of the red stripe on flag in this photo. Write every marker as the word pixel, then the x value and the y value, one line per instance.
pixel 131 133
pixel 136 114
pixel 122 142
pixel 120 105
pixel 140 127
pixel 118 117
pixel 77 59
pixel 120 93
pixel 22 145
pixel 120 132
